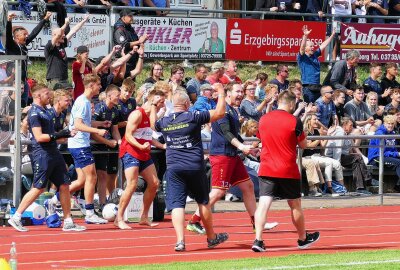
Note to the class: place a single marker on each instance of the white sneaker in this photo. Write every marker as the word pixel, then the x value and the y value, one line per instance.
pixel 94 219
pixel 229 197
pixel 17 225
pixel 270 225
pixel 69 227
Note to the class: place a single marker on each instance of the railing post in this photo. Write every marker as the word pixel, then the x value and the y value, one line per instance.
pixel 17 142
pixel 381 164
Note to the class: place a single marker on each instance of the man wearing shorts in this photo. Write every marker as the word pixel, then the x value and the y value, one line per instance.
pixel 48 164
pixel 226 165
pixel 185 163
pixel 279 175
pixel 79 146
pixel 135 155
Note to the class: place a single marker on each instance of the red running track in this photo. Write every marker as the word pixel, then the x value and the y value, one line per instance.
pixel 349 229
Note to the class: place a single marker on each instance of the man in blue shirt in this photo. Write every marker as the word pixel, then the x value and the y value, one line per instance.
pixel 377 8
pixel 372 84
pixel 326 109
pixel 47 161
pixel 310 66
pixel 193 86
pixel 185 162
pixel 205 101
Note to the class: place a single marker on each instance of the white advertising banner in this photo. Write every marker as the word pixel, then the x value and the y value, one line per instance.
pixel 182 38
pixel 95 34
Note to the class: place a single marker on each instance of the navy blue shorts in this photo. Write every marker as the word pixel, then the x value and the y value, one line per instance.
pixel 48 166
pixel 128 161
pixel 83 157
pixel 180 183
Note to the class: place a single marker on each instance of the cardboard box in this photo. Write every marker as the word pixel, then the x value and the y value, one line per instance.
pixel 132 212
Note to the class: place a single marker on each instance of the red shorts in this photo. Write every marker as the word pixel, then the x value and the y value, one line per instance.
pixel 227 171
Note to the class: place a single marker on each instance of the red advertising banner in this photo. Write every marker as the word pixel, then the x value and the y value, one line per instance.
pixel 375 42
pixel 268 40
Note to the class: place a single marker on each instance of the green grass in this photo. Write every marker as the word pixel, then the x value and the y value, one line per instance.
pixel 382 259
pixel 246 71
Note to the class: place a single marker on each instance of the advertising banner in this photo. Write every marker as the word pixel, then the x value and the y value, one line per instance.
pixel 268 40
pixel 375 42
pixel 181 38
pixel 94 34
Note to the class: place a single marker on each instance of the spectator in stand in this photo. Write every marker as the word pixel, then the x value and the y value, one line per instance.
pixel 261 81
pixel 265 5
pixel 193 85
pixel 177 75
pixel 217 71
pixel 125 35
pixel 80 3
pixel 350 156
pixel 312 127
pixel 272 93
pixel 342 75
pixel 326 108
pixel 339 99
pixel 230 74
pixel 158 4
pixel 310 66
pixel 372 102
pixel 394 10
pixel 311 6
pixel 389 80
pixel 80 68
pixel 205 101
pixel 396 113
pixel 391 154
pixel 156 73
pixel 357 110
pixel 250 107
pixel 314 176
pixel 17 40
pixel 377 8
pixel 395 103
pixel 55 54
pixel 282 73
pixel 372 84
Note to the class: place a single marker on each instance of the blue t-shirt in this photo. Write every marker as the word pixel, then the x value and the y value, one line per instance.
pixel 193 86
pixel 182 134
pixel 58 120
pixel 373 11
pixel 43 118
pixel 219 145
pixel 281 86
pixel 103 113
pixel 82 110
pixel 325 111
pixel 124 110
pixel 372 85
pixel 310 67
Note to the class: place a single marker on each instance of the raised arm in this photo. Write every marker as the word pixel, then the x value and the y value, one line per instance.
pixel 306 32
pixel 219 111
pixel 77 27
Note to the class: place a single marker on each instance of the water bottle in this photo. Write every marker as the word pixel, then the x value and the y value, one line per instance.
pixel 8 211
pixel 13 257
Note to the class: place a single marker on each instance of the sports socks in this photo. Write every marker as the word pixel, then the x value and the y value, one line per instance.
pixel 195 219
pixel 89 209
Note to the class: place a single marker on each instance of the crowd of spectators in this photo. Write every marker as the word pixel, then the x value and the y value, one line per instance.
pixel 341 105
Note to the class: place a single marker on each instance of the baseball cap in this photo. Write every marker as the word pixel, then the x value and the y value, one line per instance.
pixel 126 12
pixel 206 86
pixel 82 49
pixel 216 66
pixel 63 85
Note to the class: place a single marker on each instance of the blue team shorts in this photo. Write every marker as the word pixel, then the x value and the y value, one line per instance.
pixel 180 183
pixel 129 161
pixel 82 157
pixel 48 166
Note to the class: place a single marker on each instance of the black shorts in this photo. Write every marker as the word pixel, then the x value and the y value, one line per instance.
pixel 48 166
pixel 105 162
pixel 283 188
pixel 180 183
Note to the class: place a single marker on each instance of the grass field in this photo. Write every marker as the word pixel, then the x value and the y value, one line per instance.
pixel 377 260
pixel 246 71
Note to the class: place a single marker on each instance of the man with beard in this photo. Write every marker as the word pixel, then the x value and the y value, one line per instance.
pixel 193 86
pixel 279 175
pixel 226 165
pixel 125 35
pixel 55 54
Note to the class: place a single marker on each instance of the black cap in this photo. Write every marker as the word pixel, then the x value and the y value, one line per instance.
pixel 82 49
pixel 126 12
pixel 63 85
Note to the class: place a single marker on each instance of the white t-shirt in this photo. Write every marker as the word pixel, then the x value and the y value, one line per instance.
pixel 81 109
pixel 342 9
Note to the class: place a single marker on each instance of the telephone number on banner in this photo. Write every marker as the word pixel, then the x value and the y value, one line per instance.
pixel 390 57
pixel 211 56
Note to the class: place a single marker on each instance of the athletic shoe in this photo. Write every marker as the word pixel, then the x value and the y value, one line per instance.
pixel 180 246
pixel 49 206
pixel 311 238
pixel 219 239
pixel 229 197
pixel 69 227
pixel 258 246
pixel 363 191
pixel 78 205
pixel 196 228
pixel 94 219
pixel 314 193
pixel 17 225
pixel 59 212
pixel 270 225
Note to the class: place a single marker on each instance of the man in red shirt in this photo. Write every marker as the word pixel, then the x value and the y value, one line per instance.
pixel 230 74
pixel 80 68
pixel 279 175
